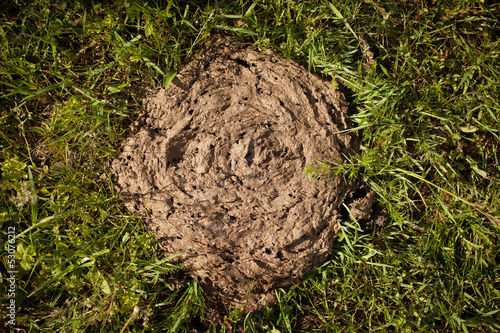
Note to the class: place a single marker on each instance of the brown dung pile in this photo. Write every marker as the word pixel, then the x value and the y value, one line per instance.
pixel 216 164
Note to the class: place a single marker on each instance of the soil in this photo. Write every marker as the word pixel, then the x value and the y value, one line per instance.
pixel 216 165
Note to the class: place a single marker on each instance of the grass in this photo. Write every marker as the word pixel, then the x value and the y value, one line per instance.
pixel 422 79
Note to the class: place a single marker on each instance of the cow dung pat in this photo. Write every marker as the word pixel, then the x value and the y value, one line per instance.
pixel 216 165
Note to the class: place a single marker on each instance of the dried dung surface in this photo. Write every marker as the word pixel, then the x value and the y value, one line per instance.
pixel 216 162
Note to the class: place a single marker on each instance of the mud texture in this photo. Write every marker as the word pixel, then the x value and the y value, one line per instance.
pixel 215 164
